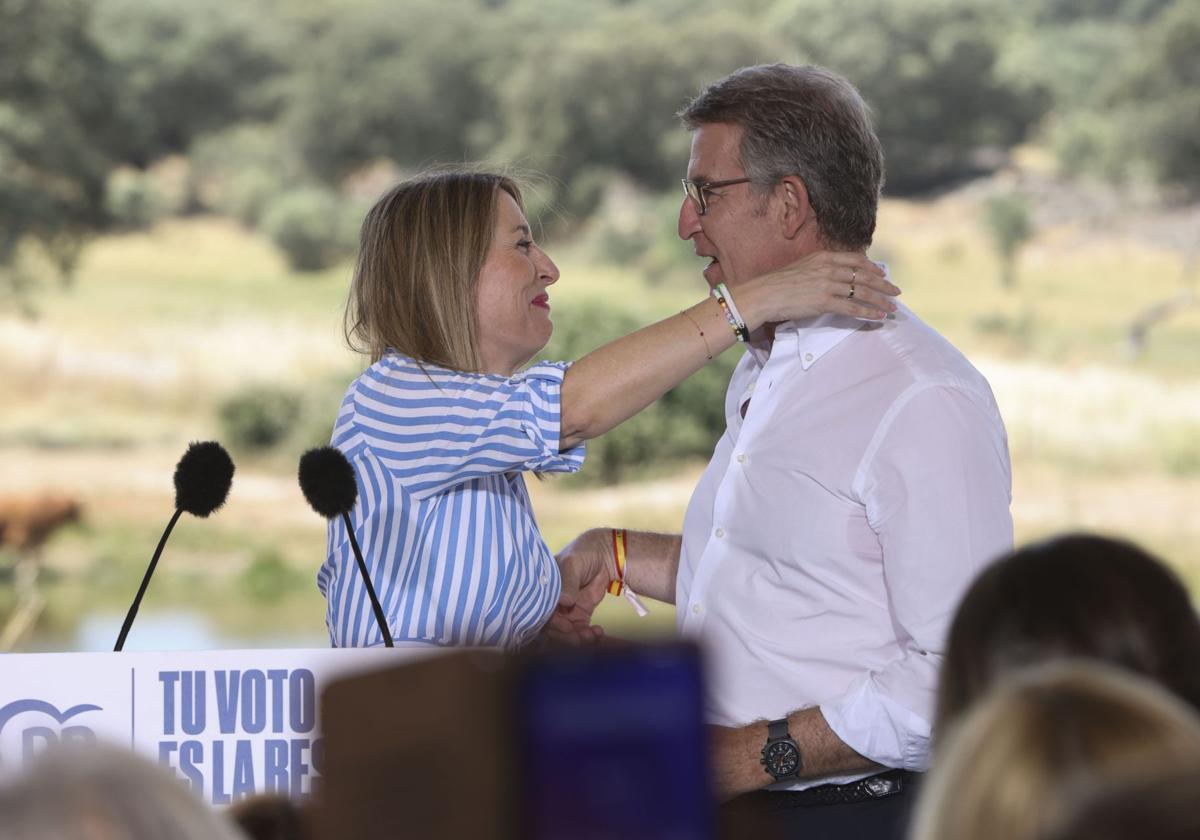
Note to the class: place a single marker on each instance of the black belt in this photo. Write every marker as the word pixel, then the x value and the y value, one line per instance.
pixel 864 790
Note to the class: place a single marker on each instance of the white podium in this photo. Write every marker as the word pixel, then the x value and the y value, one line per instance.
pixel 230 722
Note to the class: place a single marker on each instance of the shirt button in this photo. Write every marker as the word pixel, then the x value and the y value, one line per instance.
pixel 695 609
pixel 545 578
pixel 741 457
pixel 808 357
pixel 720 532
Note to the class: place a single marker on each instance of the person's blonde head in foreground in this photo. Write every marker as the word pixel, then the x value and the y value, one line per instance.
pixel 100 792
pixel 1005 770
pixel 1161 806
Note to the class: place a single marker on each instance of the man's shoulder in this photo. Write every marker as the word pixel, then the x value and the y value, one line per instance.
pixel 927 356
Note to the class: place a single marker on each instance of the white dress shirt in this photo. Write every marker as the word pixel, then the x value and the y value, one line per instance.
pixel 837 526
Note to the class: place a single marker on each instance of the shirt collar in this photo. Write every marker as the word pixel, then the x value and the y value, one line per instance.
pixel 808 338
pixel 814 337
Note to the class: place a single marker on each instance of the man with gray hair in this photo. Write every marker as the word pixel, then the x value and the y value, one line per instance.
pixel 862 481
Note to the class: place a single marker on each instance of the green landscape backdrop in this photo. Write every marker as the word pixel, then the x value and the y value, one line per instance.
pixel 181 185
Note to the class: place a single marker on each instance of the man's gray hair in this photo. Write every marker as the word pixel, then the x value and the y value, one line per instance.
pixel 79 791
pixel 805 121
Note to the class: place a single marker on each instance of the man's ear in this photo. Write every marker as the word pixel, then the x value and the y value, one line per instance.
pixel 795 211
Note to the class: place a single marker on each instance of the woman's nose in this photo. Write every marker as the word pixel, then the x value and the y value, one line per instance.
pixel 546 268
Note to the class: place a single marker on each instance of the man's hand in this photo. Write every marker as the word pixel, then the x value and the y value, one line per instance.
pixel 587 567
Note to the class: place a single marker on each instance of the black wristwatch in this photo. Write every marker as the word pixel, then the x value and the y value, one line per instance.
pixel 781 755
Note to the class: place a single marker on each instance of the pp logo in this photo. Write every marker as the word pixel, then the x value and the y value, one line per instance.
pixel 27 726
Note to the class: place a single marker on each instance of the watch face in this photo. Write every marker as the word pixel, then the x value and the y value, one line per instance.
pixel 782 758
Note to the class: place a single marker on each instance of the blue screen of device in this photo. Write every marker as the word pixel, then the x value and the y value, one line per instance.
pixel 613 746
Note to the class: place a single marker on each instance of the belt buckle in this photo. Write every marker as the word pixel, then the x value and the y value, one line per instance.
pixel 878 786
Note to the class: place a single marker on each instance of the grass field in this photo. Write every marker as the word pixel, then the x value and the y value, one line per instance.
pixel 105 388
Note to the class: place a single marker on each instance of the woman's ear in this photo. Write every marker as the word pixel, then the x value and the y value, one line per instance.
pixel 795 211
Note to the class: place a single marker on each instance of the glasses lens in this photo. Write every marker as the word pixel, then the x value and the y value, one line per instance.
pixel 696 194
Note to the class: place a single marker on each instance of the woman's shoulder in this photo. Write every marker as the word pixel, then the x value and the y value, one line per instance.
pixel 397 378
pixel 401 377
pixel 399 367
pixel 402 366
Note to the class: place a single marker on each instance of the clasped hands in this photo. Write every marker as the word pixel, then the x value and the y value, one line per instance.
pixel 587 568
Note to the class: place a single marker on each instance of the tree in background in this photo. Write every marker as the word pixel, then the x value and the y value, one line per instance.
pixel 1122 76
pixel 603 100
pixel 1155 100
pixel 284 95
pixel 312 226
pixel 930 69
pixel 1009 225
pixel 186 69
pixel 576 93
pixel 57 141
pixel 85 87
pixel 415 87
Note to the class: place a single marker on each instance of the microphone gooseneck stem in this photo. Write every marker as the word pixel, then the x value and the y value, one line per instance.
pixel 362 568
pixel 132 614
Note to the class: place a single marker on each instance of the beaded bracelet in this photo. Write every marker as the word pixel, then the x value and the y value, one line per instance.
pixel 731 314
pixel 733 309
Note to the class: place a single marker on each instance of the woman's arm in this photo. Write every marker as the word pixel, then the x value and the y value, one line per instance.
pixel 611 384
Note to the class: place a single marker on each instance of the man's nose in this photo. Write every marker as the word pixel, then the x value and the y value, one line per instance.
pixel 689 219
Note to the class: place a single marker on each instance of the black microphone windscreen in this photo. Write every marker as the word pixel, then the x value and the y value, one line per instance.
pixel 327 481
pixel 202 478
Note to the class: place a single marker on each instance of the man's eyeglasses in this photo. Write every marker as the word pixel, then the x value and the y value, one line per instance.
pixel 697 190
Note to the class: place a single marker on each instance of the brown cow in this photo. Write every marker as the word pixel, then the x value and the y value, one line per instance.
pixel 26 522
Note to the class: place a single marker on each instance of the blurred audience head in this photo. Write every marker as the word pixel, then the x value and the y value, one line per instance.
pixel 1158 806
pixel 270 817
pixel 1075 596
pixel 101 792
pixel 1005 770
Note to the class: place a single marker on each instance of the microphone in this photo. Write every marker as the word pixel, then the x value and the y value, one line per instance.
pixel 202 479
pixel 327 481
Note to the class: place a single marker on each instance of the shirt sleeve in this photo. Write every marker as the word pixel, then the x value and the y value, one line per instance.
pixel 937 487
pixel 434 428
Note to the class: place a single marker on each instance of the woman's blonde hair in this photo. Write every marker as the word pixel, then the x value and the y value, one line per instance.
pixel 1006 770
pixel 422 247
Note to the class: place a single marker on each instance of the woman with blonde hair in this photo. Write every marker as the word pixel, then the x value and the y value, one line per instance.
pixel 1159 806
pixel 1007 768
pixel 450 299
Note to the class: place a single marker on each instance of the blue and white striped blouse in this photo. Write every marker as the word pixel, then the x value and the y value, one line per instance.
pixel 443 517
